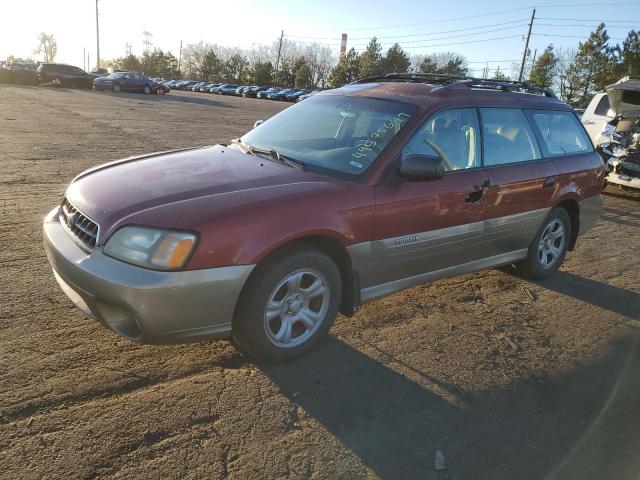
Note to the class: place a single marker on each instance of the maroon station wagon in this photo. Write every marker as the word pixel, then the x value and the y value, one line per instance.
pixel 349 196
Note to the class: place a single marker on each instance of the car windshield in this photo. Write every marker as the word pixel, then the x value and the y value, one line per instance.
pixel 332 134
pixel 117 75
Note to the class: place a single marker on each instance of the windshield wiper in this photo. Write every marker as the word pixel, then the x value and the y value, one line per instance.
pixel 272 154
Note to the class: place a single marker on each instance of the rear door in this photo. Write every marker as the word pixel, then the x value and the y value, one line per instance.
pixel 522 184
pixel 424 226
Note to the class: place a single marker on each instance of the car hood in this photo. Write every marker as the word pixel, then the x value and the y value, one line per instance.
pixel 624 97
pixel 216 179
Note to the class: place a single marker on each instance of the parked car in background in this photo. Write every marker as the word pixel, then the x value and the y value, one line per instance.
pixel 280 94
pixel 213 88
pixel 579 112
pixel 129 82
pixel 373 188
pixel 196 87
pixel 252 92
pixel 612 119
pixel 186 84
pixel 267 92
pixel 64 75
pixel 226 89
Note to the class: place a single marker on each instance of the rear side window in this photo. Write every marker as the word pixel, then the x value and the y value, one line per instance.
pixel 561 133
pixel 507 136
pixel 603 106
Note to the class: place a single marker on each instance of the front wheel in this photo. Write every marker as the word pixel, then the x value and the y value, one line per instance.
pixel 549 247
pixel 147 90
pixel 288 305
pixel 117 87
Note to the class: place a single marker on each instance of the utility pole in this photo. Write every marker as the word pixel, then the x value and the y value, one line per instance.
pixel 147 40
pixel 84 58
pixel 97 38
pixel 278 59
pixel 179 58
pixel 526 45
pixel 127 49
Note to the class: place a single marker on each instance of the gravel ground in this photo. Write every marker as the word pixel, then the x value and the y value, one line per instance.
pixel 510 379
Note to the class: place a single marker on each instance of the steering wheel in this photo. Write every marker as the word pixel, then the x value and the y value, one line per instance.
pixel 445 159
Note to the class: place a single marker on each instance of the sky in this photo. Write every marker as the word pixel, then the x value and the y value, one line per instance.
pixel 481 31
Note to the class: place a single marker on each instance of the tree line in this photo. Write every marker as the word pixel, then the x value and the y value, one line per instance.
pixel 575 73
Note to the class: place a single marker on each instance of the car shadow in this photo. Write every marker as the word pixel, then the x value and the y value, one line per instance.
pixel 615 299
pixel 394 425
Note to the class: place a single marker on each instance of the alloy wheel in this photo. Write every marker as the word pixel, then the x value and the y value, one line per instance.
pixel 552 243
pixel 296 308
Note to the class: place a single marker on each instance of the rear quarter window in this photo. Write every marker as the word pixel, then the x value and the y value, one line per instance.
pixel 560 133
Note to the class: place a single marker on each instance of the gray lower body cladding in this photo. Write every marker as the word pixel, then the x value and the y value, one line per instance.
pixel 144 305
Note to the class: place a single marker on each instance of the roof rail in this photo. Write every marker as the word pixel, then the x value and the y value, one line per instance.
pixel 471 82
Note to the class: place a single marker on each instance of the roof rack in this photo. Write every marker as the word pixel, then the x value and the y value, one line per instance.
pixel 471 82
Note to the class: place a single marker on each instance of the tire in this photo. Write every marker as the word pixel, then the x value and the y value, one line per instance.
pixel 160 91
pixel 117 88
pixel 549 247
pixel 147 90
pixel 296 322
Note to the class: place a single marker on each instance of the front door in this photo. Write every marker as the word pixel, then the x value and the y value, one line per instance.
pixel 425 226
pixel 522 184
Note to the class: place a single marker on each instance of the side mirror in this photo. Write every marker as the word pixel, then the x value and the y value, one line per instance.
pixel 422 167
pixel 258 123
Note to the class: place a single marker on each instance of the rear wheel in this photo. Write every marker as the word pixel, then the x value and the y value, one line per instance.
pixel 288 305
pixel 117 88
pixel 549 247
pixel 147 90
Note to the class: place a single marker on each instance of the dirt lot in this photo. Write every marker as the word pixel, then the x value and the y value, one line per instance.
pixel 510 379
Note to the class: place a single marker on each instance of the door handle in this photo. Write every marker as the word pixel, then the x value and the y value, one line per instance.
pixel 549 182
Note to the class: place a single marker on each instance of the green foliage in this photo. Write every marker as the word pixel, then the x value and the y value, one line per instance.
pixel 262 73
pixel 630 55
pixel 593 67
pixel 544 69
pixel 236 69
pixel 395 61
pixel 370 62
pixel 211 67
pixel 303 76
pixel 130 63
pixel 447 63
pixel 346 71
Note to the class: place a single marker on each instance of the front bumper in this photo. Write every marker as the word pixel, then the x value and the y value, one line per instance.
pixel 144 305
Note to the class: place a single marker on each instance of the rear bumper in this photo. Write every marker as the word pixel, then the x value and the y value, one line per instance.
pixel 144 305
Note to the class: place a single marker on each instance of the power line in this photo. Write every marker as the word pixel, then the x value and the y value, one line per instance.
pixel 433 39
pixel 586 20
pixel 572 36
pixel 425 23
pixel 586 26
pixel 416 34
pixel 454 19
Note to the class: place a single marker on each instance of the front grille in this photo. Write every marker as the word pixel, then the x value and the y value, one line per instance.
pixel 82 228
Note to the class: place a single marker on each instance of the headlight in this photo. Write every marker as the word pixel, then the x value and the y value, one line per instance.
pixel 151 248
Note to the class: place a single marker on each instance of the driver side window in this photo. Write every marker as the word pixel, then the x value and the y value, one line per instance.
pixel 453 135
